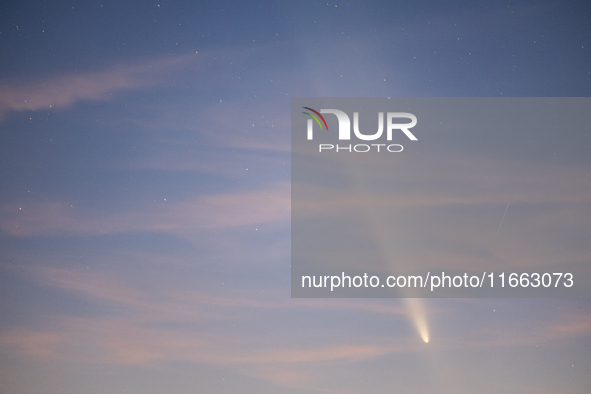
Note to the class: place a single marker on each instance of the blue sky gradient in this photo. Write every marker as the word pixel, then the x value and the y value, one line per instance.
pixel 145 196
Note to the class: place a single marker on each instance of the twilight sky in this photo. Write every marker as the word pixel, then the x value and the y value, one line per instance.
pixel 145 196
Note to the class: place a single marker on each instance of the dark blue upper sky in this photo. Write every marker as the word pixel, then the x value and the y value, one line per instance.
pixel 514 48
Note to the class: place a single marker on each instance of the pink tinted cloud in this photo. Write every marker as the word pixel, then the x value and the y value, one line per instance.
pixel 160 326
pixel 576 325
pixel 116 291
pixel 469 180
pixel 186 218
pixel 36 344
pixel 136 336
pixel 63 91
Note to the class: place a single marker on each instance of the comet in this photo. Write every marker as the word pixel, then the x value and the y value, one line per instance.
pixel 416 309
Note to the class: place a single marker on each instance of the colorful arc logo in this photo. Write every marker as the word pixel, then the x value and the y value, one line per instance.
pixel 315 118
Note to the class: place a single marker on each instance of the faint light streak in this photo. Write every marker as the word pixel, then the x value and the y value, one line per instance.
pixel 416 308
pixel 503 218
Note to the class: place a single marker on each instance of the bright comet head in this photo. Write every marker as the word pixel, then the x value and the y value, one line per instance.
pixel 418 315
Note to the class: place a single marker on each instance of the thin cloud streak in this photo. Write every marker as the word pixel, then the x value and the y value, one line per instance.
pixel 186 218
pixel 467 180
pixel 149 329
pixel 64 91
pixel 36 344
pixel 117 292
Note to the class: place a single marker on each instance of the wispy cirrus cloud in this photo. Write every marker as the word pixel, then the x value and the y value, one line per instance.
pixel 115 291
pixel 186 218
pixel 64 91
pixel 37 344
pixel 149 327
pixel 145 329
